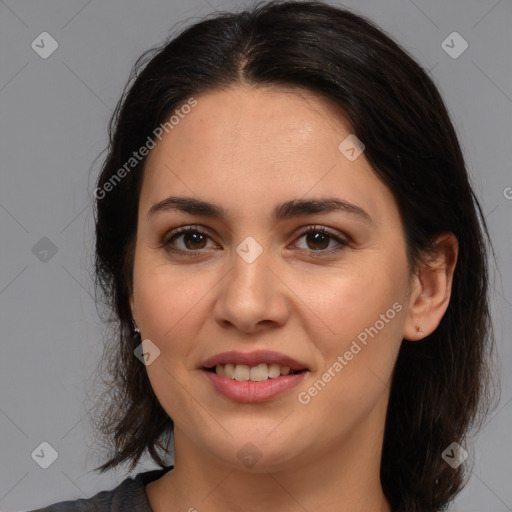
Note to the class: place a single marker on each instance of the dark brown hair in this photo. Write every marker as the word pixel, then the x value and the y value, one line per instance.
pixel 440 384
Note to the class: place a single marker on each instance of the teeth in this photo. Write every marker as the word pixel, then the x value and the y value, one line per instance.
pixel 274 371
pixel 244 372
pixel 229 370
pixel 259 373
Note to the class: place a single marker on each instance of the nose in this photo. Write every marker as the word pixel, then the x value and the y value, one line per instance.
pixel 252 296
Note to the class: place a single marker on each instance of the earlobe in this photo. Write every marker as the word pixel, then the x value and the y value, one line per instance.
pixel 431 288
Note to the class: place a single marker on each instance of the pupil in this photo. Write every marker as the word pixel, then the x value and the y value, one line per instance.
pixel 195 237
pixel 318 238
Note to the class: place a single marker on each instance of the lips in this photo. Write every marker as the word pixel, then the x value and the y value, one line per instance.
pixel 253 376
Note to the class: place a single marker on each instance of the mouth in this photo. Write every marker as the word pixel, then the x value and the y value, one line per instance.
pixel 253 376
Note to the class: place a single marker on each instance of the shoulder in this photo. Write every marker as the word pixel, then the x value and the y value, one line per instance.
pixel 129 495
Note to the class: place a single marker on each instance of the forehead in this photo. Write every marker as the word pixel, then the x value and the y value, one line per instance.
pixel 251 146
pixel 256 117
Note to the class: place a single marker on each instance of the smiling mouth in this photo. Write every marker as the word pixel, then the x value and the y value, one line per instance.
pixel 258 373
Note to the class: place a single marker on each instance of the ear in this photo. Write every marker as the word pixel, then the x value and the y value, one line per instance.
pixel 431 288
pixel 130 264
pixel 132 306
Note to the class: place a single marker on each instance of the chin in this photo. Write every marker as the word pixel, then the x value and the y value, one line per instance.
pixel 256 452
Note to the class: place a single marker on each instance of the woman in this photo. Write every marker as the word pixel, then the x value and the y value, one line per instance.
pixel 297 266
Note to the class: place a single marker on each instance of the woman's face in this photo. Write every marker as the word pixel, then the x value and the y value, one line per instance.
pixel 335 302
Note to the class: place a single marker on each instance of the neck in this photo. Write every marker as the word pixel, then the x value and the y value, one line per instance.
pixel 326 485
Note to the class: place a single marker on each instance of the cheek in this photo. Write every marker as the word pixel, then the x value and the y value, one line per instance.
pixel 167 301
pixel 348 300
pixel 361 312
pixel 166 298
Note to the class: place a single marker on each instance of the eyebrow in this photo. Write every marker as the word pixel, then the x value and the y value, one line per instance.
pixel 286 210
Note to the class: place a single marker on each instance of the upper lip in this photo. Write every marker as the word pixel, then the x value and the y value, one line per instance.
pixel 253 359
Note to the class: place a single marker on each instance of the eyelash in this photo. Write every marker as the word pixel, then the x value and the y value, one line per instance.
pixel 171 236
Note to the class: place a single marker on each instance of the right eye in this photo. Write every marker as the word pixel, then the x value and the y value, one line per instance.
pixel 192 238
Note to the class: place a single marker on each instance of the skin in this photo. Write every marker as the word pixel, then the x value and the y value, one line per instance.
pixel 324 455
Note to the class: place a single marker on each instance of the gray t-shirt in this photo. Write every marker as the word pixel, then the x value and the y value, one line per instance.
pixel 129 495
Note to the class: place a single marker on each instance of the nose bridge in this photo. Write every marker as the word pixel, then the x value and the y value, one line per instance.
pixel 249 276
pixel 251 292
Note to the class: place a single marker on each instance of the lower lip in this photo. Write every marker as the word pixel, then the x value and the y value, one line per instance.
pixel 249 391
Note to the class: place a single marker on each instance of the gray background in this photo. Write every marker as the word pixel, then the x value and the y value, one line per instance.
pixel 53 121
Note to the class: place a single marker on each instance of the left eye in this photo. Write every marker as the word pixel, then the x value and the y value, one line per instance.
pixel 317 239
pixel 320 239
